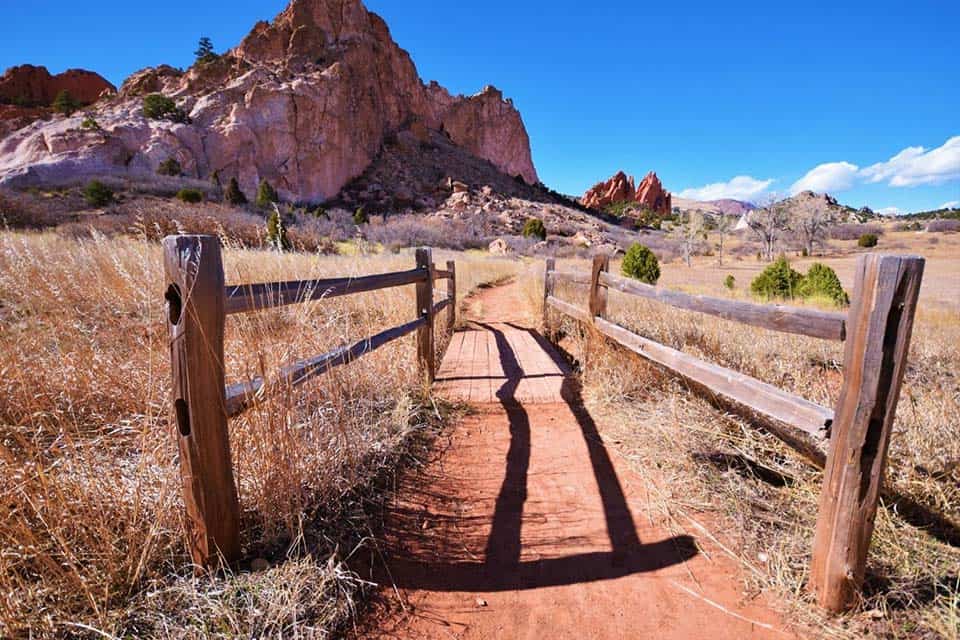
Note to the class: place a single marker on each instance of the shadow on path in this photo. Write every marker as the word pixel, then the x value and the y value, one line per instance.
pixel 501 568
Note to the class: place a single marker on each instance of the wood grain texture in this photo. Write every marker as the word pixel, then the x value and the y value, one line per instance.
pixel 598 294
pixel 242 395
pixel 760 397
pixel 576 277
pixel 881 324
pixel 257 297
pixel 425 348
pixel 452 295
pixel 549 268
pixel 808 322
pixel 195 308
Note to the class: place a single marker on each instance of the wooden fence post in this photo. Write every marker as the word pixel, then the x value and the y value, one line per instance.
pixel 880 322
pixel 547 292
pixel 452 295
pixel 425 353
pixel 195 312
pixel 598 293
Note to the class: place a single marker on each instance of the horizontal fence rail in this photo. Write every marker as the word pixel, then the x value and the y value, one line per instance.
pixel 197 306
pixel 877 333
pixel 258 297
pixel 806 322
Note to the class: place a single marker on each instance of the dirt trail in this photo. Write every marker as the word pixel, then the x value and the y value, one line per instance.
pixel 525 526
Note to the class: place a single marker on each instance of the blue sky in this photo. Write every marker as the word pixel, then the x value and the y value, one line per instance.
pixel 721 99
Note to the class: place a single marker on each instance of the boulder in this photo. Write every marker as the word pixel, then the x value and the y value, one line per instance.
pixel 499 247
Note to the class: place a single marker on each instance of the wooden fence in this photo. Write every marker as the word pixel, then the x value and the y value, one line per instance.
pixel 877 330
pixel 198 303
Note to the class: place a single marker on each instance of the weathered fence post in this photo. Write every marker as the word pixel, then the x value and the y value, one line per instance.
pixel 452 295
pixel 425 353
pixel 880 322
pixel 195 308
pixel 598 292
pixel 547 292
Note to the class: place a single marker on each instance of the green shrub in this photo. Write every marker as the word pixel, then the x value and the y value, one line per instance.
pixel 360 217
pixel 157 106
pixel 90 124
pixel 65 104
pixel 641 264
pixel 868 240
pixel 534 228
pixel 778 280
pixel 730 282
pixel 276 232
pixel 97 194
pixel 266 194
pixel 233 195
pixel 170 167
pixel 822 281
pixel 192 196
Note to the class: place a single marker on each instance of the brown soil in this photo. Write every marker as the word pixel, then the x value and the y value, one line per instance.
pixel 525 526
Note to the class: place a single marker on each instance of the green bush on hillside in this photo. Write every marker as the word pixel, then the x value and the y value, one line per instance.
pixel 534 228
pixel 64 103
pixel 192 196
pixel 97 194
pixel 868 240
pixel 641 264
pixel 822 281
pixel 170 167
pixel 360 216
pixel 157 106
pixel 276 232
pixel 233 195
pixel 730 282
pixel 778 280
pixel 266 194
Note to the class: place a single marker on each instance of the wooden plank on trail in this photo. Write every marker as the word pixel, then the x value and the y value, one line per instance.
pixel 807 322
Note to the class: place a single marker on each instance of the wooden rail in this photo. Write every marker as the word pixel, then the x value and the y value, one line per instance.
pixel 877 342
pixel 197 306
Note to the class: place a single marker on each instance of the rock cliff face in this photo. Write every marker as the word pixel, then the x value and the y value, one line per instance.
pixel 306 102
pixel 650 194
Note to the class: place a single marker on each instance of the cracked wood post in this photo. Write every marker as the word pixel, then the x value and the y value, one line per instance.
pixel 425 351
pixel 880 322
pixel 452 295
pixel 598 292
pixel 195 315
pixel 547 292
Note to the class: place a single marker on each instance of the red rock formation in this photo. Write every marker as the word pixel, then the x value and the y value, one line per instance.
pixel 34 86
pixel 650 194
pixel 306 101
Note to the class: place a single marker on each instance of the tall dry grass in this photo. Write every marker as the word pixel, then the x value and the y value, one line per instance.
pixel 700 459
pixel 91 533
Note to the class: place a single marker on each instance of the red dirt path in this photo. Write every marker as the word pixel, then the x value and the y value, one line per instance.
pixel 525 526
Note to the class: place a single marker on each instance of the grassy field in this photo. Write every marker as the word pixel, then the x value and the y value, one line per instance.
pixel 707 465
pixel 91 526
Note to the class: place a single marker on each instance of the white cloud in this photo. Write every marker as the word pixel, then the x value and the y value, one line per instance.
pixel 827 178
pixel 738 188
pixel 890 211
pixel 953 204
pixel 915 165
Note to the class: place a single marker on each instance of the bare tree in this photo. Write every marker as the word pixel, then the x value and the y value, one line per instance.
pixel 691 232
pixel 769 224
pixel 810 221
pixel 725 225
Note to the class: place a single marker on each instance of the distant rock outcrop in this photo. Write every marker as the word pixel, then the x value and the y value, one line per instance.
pixel 650 194
pixel 306 102
pixel 30 86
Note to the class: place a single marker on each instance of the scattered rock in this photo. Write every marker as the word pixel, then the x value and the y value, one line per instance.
pixel 499 247
pixel 481 602
pixel 459 187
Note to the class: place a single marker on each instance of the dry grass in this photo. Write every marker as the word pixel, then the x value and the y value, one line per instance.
pixel 705 464
pixel 91 530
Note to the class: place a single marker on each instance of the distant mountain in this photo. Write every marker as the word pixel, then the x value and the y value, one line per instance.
pixel 726 206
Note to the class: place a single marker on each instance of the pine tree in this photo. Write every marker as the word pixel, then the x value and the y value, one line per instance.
pixel 233 195
pixel 65 104
pixel 266 194
pixel 276 232
pixel 204 52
